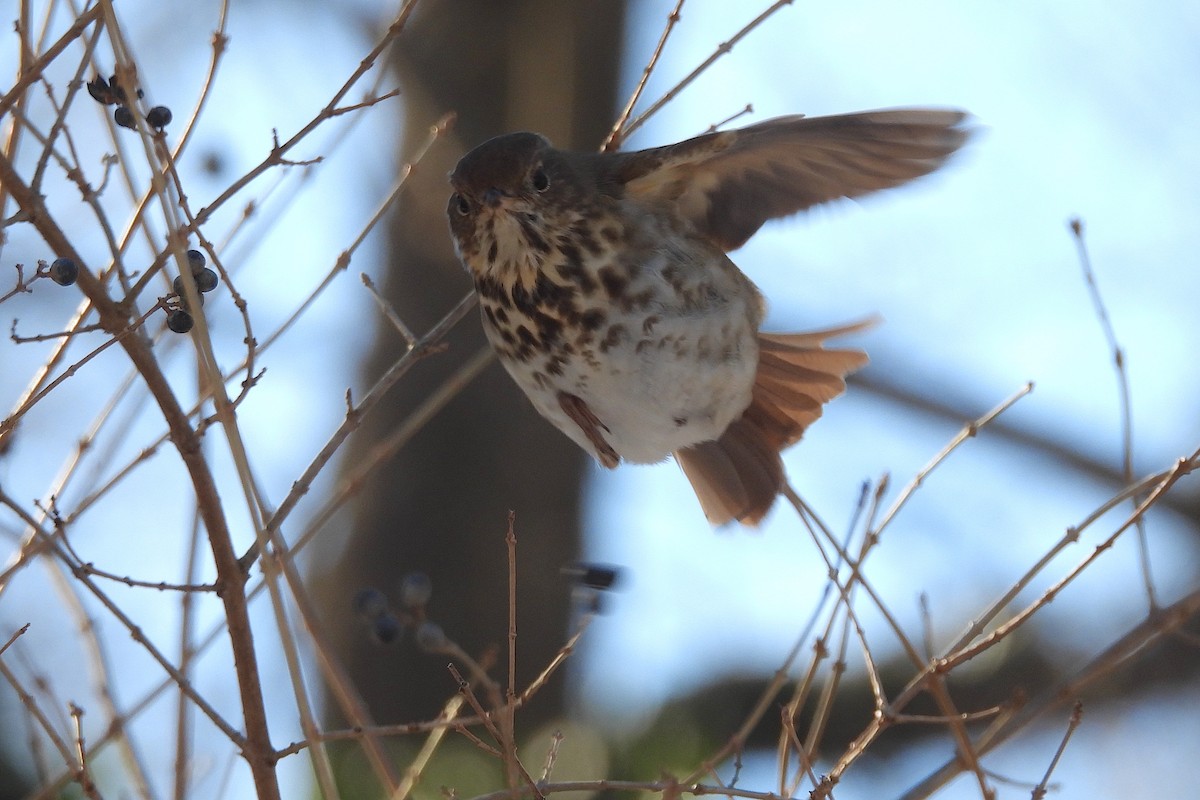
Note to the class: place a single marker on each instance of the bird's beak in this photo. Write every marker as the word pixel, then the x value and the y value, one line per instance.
pixel 493 197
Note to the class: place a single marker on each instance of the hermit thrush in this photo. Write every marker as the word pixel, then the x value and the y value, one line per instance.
pixel 607 295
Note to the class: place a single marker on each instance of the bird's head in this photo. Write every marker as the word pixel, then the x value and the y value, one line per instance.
pixel 513 198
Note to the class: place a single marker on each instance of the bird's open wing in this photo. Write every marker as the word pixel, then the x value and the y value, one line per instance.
pixel 729 183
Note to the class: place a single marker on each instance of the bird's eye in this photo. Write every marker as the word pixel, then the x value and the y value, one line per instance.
pixel 462 205
pixel 541 181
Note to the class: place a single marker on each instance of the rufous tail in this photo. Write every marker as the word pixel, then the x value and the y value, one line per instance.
pixel 739 475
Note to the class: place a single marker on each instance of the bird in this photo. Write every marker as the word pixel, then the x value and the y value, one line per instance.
pixel 607 292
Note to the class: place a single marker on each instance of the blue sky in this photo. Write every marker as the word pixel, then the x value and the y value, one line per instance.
pixel 1081 109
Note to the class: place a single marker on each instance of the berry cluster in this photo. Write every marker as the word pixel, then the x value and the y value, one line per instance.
pixel 109 93
pixel 387 624
pixel 180 319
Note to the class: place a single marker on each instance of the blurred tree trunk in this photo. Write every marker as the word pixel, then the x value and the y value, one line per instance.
pixel 441 505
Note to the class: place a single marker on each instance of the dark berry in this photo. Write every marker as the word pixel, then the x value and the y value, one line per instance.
pixel 124 117
pixel 430 637
pixel 118 92
pixel 370 603
pixel 178 286
pixel 114 86
pixel 63 271
pixel 385 628
pixel 183 301
pixel 196 260
pixel 158 117
pixel 415 590
pixel 179 320
pixel 101 92
pixel 206 280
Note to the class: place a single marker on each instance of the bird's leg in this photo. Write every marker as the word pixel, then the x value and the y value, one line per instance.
pixel 582 416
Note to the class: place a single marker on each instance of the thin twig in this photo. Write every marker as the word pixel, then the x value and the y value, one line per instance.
pixel 428 345
pixel 1123 393
pixel 716 126
pixel 968 432
pixel 1165 621
pixel 616 136
pixel 510 541
pixel 162 586
pixel 389 311
pixel 16 635
pixel 412 774
pixel 187 651
pixel 508 748
pixel 35 712
pixel 1072 724
pixel 1183 467
pixel 721 50
pixel 276 156
pixel 83 777
pixel 31 73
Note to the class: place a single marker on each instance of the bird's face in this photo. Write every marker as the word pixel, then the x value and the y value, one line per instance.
pixel 513 197
pixel 498 212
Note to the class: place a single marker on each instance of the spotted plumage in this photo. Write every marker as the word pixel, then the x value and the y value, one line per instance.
pixel 606 291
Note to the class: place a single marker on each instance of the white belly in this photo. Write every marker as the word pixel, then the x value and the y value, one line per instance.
pixel 651 402
pixel 669 378
pixel 654 403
